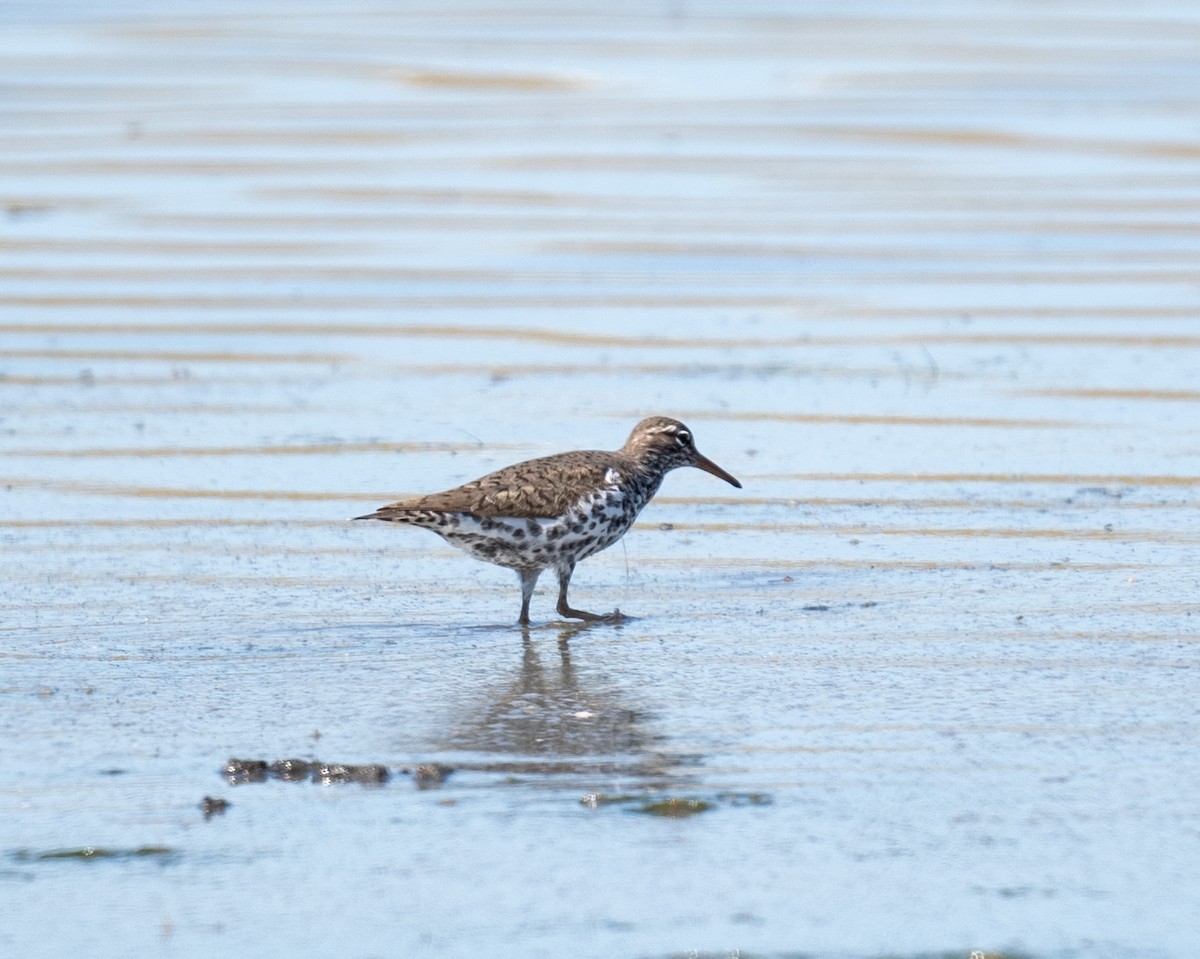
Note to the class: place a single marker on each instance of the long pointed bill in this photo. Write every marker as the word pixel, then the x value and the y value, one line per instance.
pixel 704 463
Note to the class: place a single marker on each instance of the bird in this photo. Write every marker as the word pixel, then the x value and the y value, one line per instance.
pixel 554 511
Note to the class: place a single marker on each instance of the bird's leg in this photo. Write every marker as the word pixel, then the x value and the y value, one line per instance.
pixel 529 578
pixel 564 608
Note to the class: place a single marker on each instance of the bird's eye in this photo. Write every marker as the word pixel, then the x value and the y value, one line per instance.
pixel 684 437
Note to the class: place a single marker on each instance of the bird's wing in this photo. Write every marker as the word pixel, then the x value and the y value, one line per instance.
pixel 534 489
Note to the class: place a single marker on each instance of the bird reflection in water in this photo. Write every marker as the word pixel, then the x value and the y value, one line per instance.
pixel 548 720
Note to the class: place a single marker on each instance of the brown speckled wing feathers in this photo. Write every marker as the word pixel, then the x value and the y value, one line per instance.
pixel 536 488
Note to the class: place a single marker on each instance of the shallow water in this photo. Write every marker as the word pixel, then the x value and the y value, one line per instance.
pixel 925 283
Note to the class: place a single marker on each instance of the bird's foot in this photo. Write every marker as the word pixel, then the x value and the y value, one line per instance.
pixel 615 616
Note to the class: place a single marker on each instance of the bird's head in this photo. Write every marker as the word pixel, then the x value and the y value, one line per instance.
pixel 667 444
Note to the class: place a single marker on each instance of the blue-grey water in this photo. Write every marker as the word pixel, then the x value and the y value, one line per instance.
pixel 924 277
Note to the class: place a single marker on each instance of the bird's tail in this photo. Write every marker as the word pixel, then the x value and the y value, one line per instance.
pixel 387 514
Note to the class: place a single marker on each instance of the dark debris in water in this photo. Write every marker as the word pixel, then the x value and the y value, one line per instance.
pixel 246 771
pixel 744 799
pixel 1102 492
pixel 240 771
pixel 674 807
pixel 94 852
pixel 211 806
pixel 431 775
pixel 290 770
pixel 332 773
pixel 825 608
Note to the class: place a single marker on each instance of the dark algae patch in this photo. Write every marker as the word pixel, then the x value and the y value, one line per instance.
pixel 674 807
pixel 596 800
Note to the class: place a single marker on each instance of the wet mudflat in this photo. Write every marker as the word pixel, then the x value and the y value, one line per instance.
pixel 926 284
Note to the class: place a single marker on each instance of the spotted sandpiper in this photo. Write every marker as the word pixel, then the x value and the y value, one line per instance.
pixel 556 510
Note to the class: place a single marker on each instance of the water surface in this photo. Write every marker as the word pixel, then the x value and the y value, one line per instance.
pixel 925 281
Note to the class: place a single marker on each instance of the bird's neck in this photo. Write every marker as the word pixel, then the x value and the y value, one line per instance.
pixel 647 476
